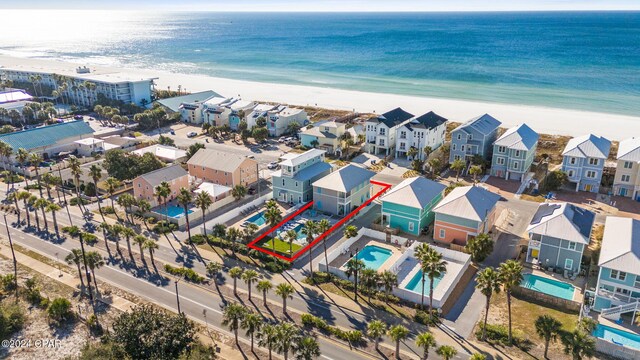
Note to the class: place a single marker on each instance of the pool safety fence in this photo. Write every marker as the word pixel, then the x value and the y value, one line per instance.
pixel 617 351
pixel 546 299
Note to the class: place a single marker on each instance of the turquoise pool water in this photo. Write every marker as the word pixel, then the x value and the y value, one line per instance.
pixel 617 336
pixel 373 256
pixel 172 211
pixel 258 219
pixel 297 229
pixel 415 284
pixel 548 286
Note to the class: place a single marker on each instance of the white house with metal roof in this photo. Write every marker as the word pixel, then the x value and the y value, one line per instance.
pixel 427 130
pixel 474 137
pixel 173 104
pixel 343 190
pixel 163 152
pixel 618 289
pixel 408 206
pixel 627 179
pixel 292 182
pixel 513 153
pixel 381 131
pixel 583 160
pixel 559 233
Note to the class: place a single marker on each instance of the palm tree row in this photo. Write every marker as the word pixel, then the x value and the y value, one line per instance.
pixel 117 231
pixel 432 266
pixel 35 204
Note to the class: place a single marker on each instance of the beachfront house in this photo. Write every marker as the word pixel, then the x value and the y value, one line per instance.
pixel 409 205
pixel 558 235
pixel 223 168
pixel 427 130
pixel 279 118
pixel 618 289
pixel 238 112
pixel 627 180
pixel 583 160
pixel 173 104
pixel 292 182
pixel 474 137
pixel 381 131
pixel 325 135
pixel 50 140
pixel 144 185
pixel 466 212
pixel 513 153
pixel 343 190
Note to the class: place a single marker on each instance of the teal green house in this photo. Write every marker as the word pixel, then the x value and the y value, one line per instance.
pixel 408 206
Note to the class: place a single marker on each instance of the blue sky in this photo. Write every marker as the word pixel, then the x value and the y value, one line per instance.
pixel 329 5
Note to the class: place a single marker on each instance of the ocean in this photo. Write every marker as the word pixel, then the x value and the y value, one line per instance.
pixel 575 60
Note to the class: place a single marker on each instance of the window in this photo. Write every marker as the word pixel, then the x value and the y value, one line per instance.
pixel 572 245
pixel 500 161
pixel 572 161
pixel 501 149
pixel 568 264
pixel 462 148
pixel 517 153
pixel 570 173
pixel 637 283
pixel 454 147
pixel 411 226
pixel 456 157
pixel 442 233
pixel 459 136
pixel 625 178
pixel 470 137
pixel 515 165
pixel 593 161
pixel 628 164
pixel 282 182
pixel 618 275
pixel 591 174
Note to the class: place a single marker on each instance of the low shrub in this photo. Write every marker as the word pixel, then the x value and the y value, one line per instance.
pixel 500 334
pixel 422 317
pixel 74 201
pixel 186 273
pixel 32 187
pixel 108 210
pixel 197 239
pixel 11 320
pixel 89 238
pixel 8 282
pixel 59 310
pixel 152 220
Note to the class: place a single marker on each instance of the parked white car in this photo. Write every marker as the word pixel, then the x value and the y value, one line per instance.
pixel 272 165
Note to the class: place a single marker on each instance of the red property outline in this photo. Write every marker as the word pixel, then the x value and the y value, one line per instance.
pixel 321 236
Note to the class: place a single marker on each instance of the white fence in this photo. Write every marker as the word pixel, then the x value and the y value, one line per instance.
pixel 616 351
pixel 224 218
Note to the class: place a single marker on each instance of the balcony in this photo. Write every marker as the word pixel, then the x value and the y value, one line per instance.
pixel 534 244
pixel 616 297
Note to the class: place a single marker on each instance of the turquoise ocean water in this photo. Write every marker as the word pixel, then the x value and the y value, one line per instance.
pixel 576 60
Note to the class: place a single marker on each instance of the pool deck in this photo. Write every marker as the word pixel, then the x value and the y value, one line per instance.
pixel 396 252
pixel 578 283
pixel 244 219
pixel 410 267
pixel 624 326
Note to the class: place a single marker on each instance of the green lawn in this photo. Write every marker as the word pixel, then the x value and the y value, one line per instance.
pixel 282 247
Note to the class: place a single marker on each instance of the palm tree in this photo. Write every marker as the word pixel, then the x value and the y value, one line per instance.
pixel 412 152
pixel 106 230
pixel 388 280
pixel 548 328
pixel 25 196
pixel 232 235
pixel 425 341
pixel 249 231
pixel 273 217
pixel 112 185
pixel 264 286
pixel 53 208
pixel 76 172
pixel 150 245
pixel 35 159
pixel 128 234
pixel 235 273
pixel 323 226
pixel 457 166
pixel 309 229
pixel 162 192
pixel 116 231
pixel 447 352
pixel 96 174
pixel 427 151
pixel 13 197
pixel 285 291
pixel 475 170
pixel 435 267
pixel 488 282
pixel 375 330
pixel 353 268
pixel 75 257
pixel 144 207
pixel 291 236
pixel 185 198
pixel 350 231
pixel 251 323
pixel 422 253
pixel 140 240
pixel 23 156
pixel 41 204
pixel 32 203
pixel 478 356
pixel 239 191
pixel 398 333
pixel 306 348
pixel 369 280
pixel 287 334
pixel 48 181
pixel 510 277
pixel 578 344
pixel 249 277
pixel 268 337
pixel 94 262
pixel 204 202
pixel 126 201
pixel 232 316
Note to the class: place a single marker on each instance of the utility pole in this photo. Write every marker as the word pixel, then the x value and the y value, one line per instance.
pixel 178 296
pixel 13 254
pixel 64 196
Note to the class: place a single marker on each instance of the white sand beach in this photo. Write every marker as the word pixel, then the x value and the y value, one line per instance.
pixel 542 119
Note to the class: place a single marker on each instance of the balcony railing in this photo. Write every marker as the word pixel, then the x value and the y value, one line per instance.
pixel 534 244
pixel 616 296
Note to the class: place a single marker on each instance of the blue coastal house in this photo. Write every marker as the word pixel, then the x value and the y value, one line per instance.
pixel 292 183
pixel 558 235
pixel 583 160
pixel 343 190
pixel 474 137
pixel 408 206
pixel 513 153
pixel 618 289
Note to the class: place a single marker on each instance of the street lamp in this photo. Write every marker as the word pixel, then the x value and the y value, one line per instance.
pixel 177 295
pixel 13 254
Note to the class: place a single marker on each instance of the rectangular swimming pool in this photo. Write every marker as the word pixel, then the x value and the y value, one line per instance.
pixel 258 219
pixel 415 284
pixel 548 286
pixel 172 211
pixel 373 256
pixel 617 336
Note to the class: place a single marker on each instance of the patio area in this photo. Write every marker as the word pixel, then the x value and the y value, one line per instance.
pixel 362 243
pixel 578 283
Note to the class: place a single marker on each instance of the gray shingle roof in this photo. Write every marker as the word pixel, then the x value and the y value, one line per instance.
pixel 468 202
pixel 415 192
pixel 428 121
pixel 563 221
pixel 394 117
pixel 345 179
pixel 520 137
pixel 46 135
pixel 588 146
pixel 621 245
pixel 168 173
pixel 484 124
pixel 216 159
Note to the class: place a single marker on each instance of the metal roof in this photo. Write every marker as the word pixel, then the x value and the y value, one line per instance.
pixel 219 160
pixel 629 150
pixel 345 179
pixel 154 178
pixel 174 103
pixel 46 135
pixel 520 137
pixel 312 171
pixel 13 96
pixel 468 202
pixel 563 221
pixel 484 124
pixel 620 248
pixel 588 146
pixel 162 151
pixel 415 192
pixel 301 158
